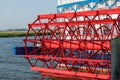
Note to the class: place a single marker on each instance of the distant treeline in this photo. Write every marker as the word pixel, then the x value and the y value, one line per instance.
pixel 18 33
pixel 14 33
pixel 16 30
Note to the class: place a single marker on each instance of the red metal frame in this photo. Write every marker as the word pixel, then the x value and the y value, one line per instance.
pixel 73 44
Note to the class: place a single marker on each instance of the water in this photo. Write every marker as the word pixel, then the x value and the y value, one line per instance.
pixel 13 67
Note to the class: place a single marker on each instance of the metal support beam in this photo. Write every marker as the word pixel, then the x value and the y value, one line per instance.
pixel 115 49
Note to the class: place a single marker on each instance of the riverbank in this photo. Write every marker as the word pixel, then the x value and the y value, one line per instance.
pixel 14 33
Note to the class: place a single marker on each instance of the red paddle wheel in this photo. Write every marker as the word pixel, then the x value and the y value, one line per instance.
pixel 73 45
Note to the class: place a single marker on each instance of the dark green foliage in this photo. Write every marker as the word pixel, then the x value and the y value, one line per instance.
pixel 19 34
pixel 14 34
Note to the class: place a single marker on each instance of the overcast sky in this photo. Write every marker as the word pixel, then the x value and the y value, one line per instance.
pixel 18 13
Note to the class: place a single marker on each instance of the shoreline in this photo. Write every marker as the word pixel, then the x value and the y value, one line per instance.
pixel 4 34
pixel 14 34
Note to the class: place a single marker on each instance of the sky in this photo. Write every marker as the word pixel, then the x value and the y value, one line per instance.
pixel 17 14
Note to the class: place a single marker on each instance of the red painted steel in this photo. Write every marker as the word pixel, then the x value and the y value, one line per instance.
pixel 71 74
pixel 76 42
pixel 81 45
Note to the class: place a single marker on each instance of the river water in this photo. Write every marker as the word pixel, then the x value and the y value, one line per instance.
pixel 14 67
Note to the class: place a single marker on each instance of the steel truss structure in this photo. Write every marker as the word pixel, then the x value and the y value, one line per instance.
pixel 90 4
pixel 73 45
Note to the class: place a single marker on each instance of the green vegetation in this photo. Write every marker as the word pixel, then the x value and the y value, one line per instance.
pixel 14 33
pixel 18 33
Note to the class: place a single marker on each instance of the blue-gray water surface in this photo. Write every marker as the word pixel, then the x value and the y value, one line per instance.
pixel 13 67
